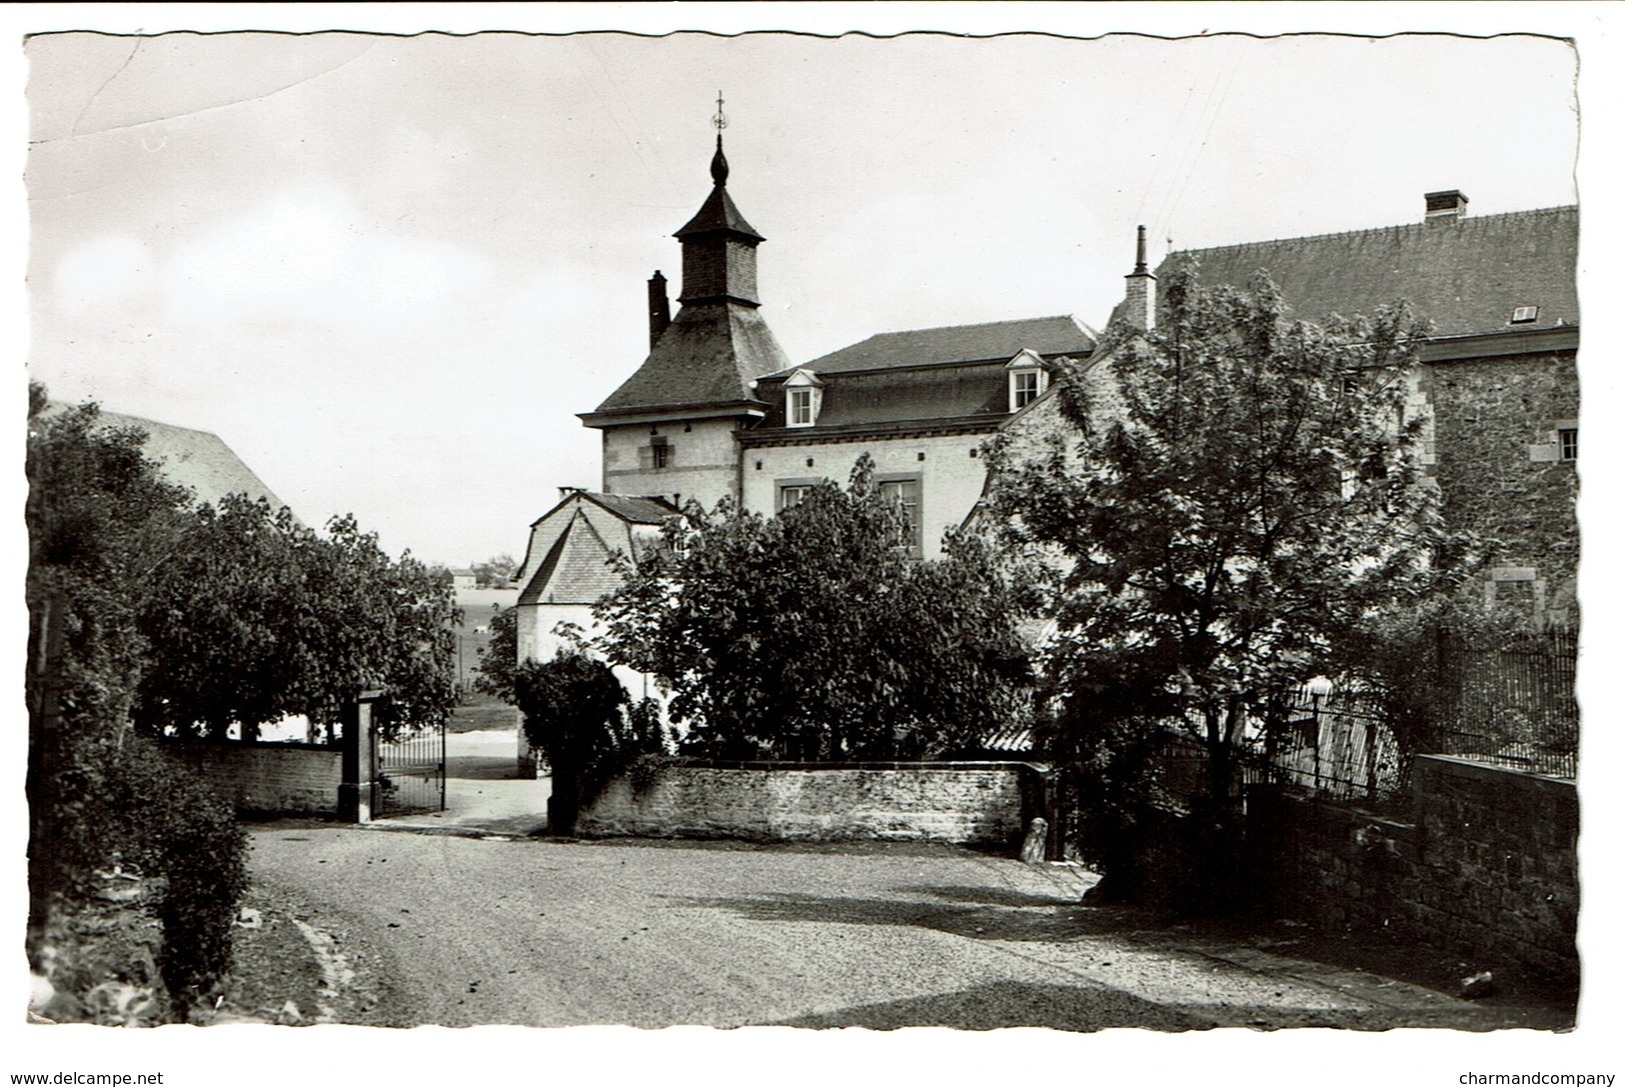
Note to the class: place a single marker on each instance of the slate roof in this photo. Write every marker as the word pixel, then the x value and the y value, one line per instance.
pixel 890 396
pixel 707 355
pixel 636 508
pixel 718 213
pixel 576 570
pixel 993 340
pixel 1466 274
pixel 194 458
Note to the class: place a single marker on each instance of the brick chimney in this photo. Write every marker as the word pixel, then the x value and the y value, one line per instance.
pixel 1140 297
pixel 659 308
pixel 1446 206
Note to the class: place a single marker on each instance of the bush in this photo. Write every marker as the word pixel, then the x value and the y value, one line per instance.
pixel 168 824
pixel 579 717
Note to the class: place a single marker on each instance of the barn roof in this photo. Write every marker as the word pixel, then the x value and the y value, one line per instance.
pixel 1466 274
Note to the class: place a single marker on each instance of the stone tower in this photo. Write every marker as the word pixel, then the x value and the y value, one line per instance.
pixel 669 429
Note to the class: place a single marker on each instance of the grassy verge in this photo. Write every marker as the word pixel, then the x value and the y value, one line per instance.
pixel 480 714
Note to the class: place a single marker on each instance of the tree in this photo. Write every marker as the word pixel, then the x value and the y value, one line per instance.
pixel 99 516
pixel 499 657
pixel 100 521
pixel 1242 500
pixel 254 617
pixel 577 714
pixel 814 632
pixel 496 570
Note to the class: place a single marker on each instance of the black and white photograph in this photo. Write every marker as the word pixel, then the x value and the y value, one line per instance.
pixel 779 540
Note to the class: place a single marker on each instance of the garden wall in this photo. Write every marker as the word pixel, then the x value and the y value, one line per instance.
pixel 289 778
pixel 1484 862
pixel 975 803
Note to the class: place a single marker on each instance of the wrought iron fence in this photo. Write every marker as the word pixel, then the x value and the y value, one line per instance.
pixel 411 771
pixel 1513 704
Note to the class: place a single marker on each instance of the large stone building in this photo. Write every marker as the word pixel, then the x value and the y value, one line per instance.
pixel 1498 381
pixel 717 408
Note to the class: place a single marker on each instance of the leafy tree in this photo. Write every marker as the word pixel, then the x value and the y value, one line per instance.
pixel 814 633
pixel 496 570
pixel 97 512
pixel 255 617
pixel 577 714
pixel 499 657
pixel 142 609
pixel 101 521
pixel 1240 500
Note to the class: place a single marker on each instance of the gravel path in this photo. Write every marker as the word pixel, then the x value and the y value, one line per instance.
pixel 528 931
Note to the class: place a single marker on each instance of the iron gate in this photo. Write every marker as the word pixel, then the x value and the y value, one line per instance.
pixel 411 773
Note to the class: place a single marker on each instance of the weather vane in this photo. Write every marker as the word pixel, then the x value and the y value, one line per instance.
pixel 720 121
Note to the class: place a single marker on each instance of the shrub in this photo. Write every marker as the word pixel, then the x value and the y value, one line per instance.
pixel 169 824
pixel 579 717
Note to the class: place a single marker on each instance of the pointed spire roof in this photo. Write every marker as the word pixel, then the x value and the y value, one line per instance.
pixel 710 355
pixel 718 212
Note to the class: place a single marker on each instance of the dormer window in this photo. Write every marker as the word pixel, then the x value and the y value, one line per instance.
pixel 800 411
pixel 1028 379
pixel 803 397
pixel 1523 315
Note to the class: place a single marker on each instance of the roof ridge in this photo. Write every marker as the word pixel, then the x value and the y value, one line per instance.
pixel 105 413
pixel 969 324
pixel 1465 221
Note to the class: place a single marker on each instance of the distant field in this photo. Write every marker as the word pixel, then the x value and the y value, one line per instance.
pixel 475 631
pixel 484 598
pixel 484 715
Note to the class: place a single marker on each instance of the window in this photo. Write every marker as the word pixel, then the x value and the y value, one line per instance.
pixel 794 491
pixel 1029 377
pixel 657 454
pixel 1025 387
pixel 801 412
pixel 1568 443
pixel 905 495
pixel 1523 315
pixel 803 396
pixel 1519 591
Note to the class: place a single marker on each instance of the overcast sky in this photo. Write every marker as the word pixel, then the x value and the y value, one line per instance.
pixel 389 271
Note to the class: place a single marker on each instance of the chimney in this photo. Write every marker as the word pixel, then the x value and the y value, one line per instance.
pixel 659 308
pixel 1447 206
pixel 1140 298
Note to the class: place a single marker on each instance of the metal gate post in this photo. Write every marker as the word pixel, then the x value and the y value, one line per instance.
pixel 359 760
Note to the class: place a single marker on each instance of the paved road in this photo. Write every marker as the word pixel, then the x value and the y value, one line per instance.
pixel 529 931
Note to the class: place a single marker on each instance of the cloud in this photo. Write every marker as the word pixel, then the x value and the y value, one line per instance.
pixel 103 269
pixel 310 255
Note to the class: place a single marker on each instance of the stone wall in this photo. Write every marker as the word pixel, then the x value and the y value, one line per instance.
pixel 1483 862
pixel 975 803
pixel 704 462
pixel 1495 423
pixel 298 779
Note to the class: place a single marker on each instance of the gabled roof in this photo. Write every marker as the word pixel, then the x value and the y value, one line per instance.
pixel 195 459
pixel 576 570
pixel 639 509
pixel 991 340
pixel 707 355
pixel 1466 274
